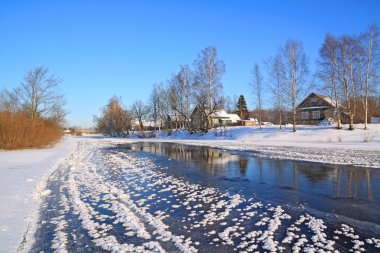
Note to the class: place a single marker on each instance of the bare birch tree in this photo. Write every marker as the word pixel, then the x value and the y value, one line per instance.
pixel 208 87
pixel 295 72
pixel 329 71
pixel 180 94
pixel 370 64
pixel 165 109
pixel 229 104
pixel 258 90
pixel 154 103
pixel 275 67
pixel 348 73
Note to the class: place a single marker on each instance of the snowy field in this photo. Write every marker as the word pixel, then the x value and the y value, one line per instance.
pixel 85 195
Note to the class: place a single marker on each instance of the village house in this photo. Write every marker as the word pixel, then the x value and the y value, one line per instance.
pixel 220 117
pixel 316 108
pixel 248 122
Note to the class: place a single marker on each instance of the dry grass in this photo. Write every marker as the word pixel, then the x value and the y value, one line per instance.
pixel 18 131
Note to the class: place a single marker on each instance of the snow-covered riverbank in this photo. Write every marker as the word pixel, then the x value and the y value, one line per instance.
pixel 22 176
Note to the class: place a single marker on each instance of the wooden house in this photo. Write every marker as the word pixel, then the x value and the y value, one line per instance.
pixel 316 108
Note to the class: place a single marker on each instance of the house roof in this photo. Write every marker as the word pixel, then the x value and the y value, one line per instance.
pixel 327 99
pixel 234 117
pixel 220 114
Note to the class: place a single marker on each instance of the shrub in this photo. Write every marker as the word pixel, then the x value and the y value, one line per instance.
pixel 19 131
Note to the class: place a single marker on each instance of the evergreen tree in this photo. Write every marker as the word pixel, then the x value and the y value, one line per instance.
pixel 242 109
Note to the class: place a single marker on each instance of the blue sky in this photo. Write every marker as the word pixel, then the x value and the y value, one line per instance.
pixel 106 48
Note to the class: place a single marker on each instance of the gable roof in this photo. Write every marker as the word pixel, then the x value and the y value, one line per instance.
pixel 326 99
pixel 220 114
pixel 234 117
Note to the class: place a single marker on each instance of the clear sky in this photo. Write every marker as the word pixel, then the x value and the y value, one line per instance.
pixel 106 48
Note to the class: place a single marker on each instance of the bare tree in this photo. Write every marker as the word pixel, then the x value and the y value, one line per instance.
pixel 208 87
pixel 229 104
pixel 39 95
pixel 180 94
pixel 114 120
pixel 258 90
pixel 155 104
pixel 348 73
pixel 329 71
pixel 140 111
pixel 275 67
pixel 8 102
pixel 294 72
pixel 370 63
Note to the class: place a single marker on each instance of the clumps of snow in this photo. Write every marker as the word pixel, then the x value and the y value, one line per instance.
pixel 327 122
pixel 319 238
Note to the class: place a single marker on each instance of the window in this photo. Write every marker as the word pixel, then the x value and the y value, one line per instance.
pixel 304 115
pixel 316 114
pixel 313 99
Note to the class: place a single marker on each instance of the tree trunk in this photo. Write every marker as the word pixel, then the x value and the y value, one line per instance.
pixel 294 112
pixel 351 122
pixel 366 113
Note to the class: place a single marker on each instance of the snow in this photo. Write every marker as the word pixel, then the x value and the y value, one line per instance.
pixel 21 172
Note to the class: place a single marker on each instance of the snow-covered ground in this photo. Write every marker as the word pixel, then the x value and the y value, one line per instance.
pixel 21 175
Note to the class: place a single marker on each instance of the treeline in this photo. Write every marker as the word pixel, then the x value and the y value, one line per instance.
pixel 348 71
pixel 200 86
pixel 32 114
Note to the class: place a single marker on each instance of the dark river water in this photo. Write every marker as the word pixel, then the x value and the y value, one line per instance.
pixel 344 193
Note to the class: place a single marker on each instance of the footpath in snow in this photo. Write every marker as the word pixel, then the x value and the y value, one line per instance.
pixel 21 172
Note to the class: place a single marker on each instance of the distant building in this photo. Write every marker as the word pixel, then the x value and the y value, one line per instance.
pixel 248 122
pixel 220 117
pixel 148 125
pixel 315 108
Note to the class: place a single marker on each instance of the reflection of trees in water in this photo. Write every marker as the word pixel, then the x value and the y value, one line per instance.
pixel 210 160
pixel 353 182
pixel 316 173
pixel 243 164
pixel 349 182
pixel 294 178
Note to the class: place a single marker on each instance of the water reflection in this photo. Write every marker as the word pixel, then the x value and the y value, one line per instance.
pixel 324 186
